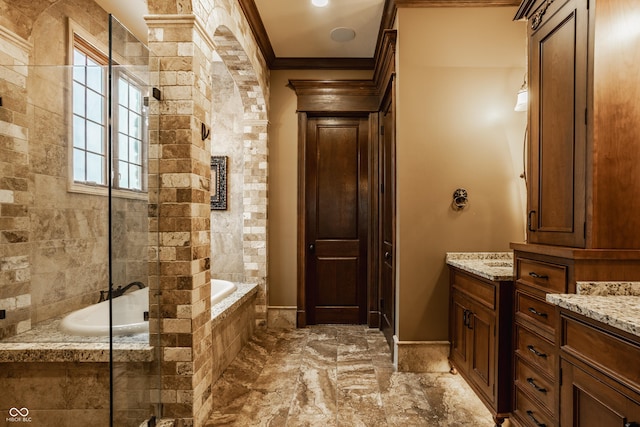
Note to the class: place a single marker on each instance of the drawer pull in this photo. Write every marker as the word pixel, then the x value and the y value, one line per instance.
pixel 536 422
pixel 538 313
pixel 536 386
pixel 533 350
pixel 538 276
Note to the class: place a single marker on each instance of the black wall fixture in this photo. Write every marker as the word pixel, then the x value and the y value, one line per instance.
pixel 204 131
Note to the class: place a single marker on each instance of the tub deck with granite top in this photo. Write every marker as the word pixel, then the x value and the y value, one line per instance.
pixel 45 342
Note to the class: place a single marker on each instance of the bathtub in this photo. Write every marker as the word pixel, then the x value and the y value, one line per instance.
pixel 128 316
pixel 128 313
pixel 220 289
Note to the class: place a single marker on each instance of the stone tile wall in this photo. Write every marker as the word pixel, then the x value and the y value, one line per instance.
pixel 227 261
pixel 184 215
pixel 15 186
pixel 71 394
pixel 184 45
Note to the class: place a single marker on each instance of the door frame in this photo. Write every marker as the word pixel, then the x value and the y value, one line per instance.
pixel 301 299
pixel 334 98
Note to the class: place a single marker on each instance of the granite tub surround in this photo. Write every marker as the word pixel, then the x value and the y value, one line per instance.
pixel 335 375
pixel 46 343
pixel 619 311
pixel 495 266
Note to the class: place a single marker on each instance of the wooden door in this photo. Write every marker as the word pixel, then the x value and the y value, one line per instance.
pixel 387 220
pixel 558 102
pixel 336 199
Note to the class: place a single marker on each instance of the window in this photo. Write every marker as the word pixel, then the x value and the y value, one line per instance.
pixel 90 122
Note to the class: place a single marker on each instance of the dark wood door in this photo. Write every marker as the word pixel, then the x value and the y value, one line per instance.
pixel 558 88
pixel 387 221
pixel 336 197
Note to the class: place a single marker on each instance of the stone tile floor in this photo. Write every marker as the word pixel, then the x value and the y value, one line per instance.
pixel 336 376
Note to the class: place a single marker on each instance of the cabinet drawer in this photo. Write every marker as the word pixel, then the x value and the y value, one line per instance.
pixel 602 349
pixel 484 293
pixel 531 413
pixel 536 350
pixel 536 310
pixel 538 385
pixel 550 277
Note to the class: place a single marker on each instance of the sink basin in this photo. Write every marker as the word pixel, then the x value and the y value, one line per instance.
pixel 498 263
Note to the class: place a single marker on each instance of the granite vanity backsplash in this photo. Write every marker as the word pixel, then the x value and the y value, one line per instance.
pixel 495 266
pixel 615 304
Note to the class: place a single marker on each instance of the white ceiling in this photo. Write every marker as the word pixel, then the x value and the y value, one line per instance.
pixel 298 29
pixel 130 13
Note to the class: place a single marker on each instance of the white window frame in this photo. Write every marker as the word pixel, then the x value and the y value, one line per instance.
pixel 84 42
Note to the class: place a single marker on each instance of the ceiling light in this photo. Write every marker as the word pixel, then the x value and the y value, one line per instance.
pixel 319 3
pixel 343 34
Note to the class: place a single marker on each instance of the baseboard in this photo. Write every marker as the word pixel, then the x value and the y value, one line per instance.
pixel 281 317
pixel 421 356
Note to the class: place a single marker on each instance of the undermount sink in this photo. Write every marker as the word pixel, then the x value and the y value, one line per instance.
pixel 498 263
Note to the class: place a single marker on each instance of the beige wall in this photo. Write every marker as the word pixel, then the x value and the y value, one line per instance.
pixel 458 74
pixel 283 179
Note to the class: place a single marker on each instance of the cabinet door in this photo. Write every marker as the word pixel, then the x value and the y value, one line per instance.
pixel 557 117
pixel 459 312
pixel 586 401
pixel 481 329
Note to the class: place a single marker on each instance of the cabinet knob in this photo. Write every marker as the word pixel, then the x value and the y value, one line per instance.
pixel 387 255
pixel 632 424
pixel 312 247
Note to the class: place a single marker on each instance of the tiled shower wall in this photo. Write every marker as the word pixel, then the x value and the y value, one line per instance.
pixel 54 242
pixel 227 140
pixel 15 182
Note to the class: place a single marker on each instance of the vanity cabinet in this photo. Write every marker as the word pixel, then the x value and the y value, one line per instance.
pixel 539 270
pixel 583 140
pixel 600 374
pixel 536 360
pixel 480 331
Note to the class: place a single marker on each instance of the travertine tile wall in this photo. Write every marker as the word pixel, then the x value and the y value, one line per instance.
pixel 255 169
pixel 183 42
pixel 227 261
pixel 184 174
pixel 15 186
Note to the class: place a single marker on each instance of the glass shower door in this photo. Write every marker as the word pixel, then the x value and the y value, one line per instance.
pixel 133 264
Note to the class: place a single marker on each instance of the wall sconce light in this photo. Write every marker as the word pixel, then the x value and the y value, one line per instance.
pixel 522 102
pixel 320 3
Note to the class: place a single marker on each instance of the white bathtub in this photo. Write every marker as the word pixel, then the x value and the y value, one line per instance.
pixel 220 289
pixel 128 316
pixel 128 313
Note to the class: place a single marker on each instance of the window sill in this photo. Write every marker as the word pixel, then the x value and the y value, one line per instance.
pixel 99 190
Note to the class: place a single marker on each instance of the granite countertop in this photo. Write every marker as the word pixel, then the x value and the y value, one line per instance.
pixel 615 304
pixel 495 266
